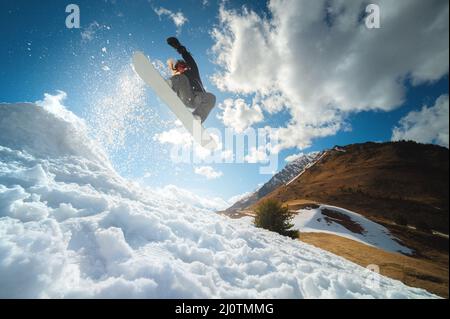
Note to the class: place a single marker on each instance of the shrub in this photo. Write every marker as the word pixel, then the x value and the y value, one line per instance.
pixel 272 216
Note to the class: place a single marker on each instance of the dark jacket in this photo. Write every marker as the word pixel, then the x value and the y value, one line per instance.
pixel 193 74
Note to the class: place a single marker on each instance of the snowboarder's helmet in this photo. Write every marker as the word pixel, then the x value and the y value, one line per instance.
pixel 181 66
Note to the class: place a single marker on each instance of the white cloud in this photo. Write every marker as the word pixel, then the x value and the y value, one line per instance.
pixel 177 18
pixel 148 174
pixel 320 61
pixel 257 155
pixel 293 157
pixel 208 172
pixel 272 104
pixel 239 115
pixel 429 125
pixel 175 136
pixel 180 138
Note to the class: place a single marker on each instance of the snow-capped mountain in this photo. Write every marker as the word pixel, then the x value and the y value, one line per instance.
pixel 71 227
pixel 289 172
pixel 382 180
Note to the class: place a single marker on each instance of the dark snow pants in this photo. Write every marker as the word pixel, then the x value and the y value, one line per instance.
pixel 202 103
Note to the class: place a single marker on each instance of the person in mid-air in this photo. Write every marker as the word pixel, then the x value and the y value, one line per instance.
pixel 186 82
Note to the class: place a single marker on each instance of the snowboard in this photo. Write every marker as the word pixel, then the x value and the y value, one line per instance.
pixel 145 69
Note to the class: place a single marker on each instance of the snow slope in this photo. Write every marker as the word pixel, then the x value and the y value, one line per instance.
pixel 366 232
pixel 71 227
pixel 172 192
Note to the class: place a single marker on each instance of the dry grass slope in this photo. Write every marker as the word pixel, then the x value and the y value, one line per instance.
pixel 384 182
pixel 380 180
pixel 421 273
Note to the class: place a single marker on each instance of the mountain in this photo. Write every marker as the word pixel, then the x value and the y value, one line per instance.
pixel 288 173
pixel 72 227
pixel 385 181
pixel 387 198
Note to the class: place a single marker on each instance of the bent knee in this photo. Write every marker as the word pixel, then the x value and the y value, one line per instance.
pixel 212 99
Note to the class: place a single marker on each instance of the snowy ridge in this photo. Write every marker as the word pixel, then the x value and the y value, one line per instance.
pixel 71 227
pixel 286 174
pixel 308 166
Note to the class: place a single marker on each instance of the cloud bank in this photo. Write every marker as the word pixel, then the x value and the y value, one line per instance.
pixel 177 18
pixel 429 125
pixel 320 61
pixel 208 172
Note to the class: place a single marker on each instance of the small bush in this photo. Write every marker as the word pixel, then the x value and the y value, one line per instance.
pixel 272 216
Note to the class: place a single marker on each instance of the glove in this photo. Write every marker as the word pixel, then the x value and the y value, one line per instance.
pixel 173 42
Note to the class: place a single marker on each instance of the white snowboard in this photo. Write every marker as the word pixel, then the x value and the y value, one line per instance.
pixel 145 69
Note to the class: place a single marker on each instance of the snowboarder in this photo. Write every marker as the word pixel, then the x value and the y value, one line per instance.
pixel 186 82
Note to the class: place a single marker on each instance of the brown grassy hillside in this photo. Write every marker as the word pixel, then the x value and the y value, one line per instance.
pixel 431 275
pixel 387 183
pixel 381 181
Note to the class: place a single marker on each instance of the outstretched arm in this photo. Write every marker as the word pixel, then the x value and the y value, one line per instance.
pixel 173 42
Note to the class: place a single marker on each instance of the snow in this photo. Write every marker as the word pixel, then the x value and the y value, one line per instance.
pixel 71 227
pixel 240 197
pixel 372 234
pixel 175 193
pixel 291 170
pixel 307 167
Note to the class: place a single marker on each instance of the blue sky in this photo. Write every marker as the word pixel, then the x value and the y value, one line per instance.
pixel 40 55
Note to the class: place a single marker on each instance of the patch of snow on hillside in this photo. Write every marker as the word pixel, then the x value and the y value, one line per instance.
pixel 345 223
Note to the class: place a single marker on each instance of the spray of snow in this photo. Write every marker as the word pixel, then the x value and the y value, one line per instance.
pixel 124 123
pixel 71 227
